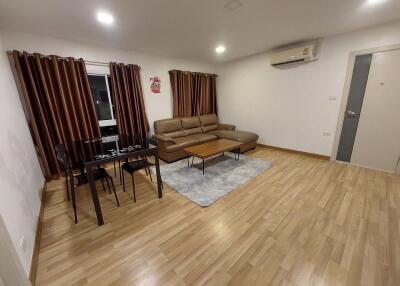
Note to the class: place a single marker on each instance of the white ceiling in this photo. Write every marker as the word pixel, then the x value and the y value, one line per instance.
pixel 192 29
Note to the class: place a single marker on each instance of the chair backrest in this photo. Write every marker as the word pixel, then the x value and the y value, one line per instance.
pixel 130 140
pixel 138 139
pixel 62 156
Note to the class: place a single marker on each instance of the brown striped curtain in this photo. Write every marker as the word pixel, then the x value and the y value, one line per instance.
pixel 193 93
pixel 128 95
pixel 57 99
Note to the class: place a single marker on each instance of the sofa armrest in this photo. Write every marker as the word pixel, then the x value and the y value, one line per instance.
pixel 164 139
pixel 226 127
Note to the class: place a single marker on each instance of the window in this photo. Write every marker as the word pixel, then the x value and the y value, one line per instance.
pixel 103 99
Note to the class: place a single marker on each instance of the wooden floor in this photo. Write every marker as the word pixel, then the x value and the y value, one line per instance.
pixel 303 222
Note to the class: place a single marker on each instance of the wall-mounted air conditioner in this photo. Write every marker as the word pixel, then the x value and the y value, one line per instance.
pixel 298 54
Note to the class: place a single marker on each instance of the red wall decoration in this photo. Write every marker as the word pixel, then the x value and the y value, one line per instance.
pixel 155 84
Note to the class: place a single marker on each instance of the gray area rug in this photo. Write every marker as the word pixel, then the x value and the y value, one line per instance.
pixel 222 175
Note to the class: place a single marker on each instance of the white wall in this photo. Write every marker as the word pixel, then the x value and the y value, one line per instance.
pixel 21 179
pixel 158 106
pixel 289 108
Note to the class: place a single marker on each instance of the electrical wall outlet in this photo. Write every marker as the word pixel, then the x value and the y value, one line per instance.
pixel 326 134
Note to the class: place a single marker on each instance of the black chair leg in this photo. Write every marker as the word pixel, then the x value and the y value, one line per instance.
pixel 148 168
pixel 102 183
pixel 66 182
pixel 115 171
pixel 151 179
pixel 73 197
pixel 108 185
pixel 123 179
pixel 144 158
pixel 133 187
pixel 115 193
pixel 120 172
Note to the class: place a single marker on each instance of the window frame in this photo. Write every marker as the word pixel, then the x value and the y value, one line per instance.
pixel 112 121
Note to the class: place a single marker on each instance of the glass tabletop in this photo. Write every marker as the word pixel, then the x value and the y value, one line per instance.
pixel 107 148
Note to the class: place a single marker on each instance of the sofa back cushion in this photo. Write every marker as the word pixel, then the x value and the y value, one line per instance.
pixel 208 122
pixel 190 122
pixel 209 119
pixel 169 127
pixel 191 125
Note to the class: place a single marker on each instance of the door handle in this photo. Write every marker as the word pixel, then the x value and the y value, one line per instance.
pixel 352 114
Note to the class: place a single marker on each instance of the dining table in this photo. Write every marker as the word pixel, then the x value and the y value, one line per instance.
pixel 95 152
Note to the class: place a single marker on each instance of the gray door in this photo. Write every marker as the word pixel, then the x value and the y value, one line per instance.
pixel 354 104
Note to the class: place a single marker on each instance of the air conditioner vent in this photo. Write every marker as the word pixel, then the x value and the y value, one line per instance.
pixel 298 54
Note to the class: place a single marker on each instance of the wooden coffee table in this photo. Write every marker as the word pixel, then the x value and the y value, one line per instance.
pixel 213 148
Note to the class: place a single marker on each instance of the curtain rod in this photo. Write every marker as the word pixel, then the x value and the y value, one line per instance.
pixel 190 72
pixel 42 56
pixel 103 64
pixel 65 58
pixel 94 63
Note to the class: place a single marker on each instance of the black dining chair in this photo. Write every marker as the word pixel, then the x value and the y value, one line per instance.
pixel 139 163
pixel 82 178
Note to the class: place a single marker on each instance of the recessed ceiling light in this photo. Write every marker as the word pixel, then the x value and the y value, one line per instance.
pixel 233 5
pixel 375 2
pixel 220 49
pixel 105 18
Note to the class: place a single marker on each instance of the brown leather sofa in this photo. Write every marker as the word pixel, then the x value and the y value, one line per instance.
pixel 173 135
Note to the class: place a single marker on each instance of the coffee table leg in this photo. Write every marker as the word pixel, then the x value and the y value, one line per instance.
pixel 203 166
pixel 238 154
pixel 192 162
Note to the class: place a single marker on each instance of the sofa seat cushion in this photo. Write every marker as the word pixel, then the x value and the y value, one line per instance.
pixel 204 138
pixel 236 135
pixel 186 141
pixel 182 142
pixel 174 134
pixel 193 131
